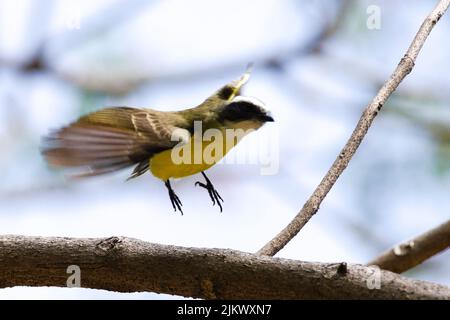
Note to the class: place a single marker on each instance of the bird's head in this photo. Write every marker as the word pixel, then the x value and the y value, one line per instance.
pixel 244 112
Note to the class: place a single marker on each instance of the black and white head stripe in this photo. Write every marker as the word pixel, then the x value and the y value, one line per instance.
pixel 245 108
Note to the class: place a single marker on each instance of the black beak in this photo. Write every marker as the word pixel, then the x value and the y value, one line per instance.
pixel 267 118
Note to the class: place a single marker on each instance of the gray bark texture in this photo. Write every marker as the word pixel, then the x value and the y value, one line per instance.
pixel 410 253
pixel 129 265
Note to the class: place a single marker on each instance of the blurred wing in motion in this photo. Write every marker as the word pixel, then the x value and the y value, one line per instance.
pixel 108 140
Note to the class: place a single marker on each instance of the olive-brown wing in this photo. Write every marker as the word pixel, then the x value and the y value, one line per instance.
pixel 108 140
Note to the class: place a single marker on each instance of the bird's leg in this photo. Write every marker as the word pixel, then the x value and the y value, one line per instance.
pixel 213 194
pixel 176 203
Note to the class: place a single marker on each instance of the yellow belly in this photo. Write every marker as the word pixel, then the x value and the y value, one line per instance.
pixel 198 156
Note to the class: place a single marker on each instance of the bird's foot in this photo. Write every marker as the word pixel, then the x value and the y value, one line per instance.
pixel 176 202
pixel 213 194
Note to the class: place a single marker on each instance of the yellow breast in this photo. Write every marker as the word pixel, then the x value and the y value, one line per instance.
pixel 199 154
pixel 189 159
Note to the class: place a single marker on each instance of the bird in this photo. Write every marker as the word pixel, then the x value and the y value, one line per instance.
pixel 115 138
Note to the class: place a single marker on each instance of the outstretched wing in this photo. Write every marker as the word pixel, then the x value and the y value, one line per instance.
pixel 109 140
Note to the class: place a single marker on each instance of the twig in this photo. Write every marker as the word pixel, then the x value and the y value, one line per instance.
pixel 409 254
pixel 130 265
pixel 403 69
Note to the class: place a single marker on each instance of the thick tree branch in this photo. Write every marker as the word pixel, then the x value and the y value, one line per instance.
pixel 409 254
pixel 403 69
pixel 126 265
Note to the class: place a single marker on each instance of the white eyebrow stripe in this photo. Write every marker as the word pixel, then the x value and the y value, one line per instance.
pixel 251 100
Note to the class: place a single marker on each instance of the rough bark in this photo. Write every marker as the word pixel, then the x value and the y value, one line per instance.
pixel 127 265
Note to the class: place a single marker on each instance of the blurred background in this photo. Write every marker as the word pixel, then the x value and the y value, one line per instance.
pixel 317 65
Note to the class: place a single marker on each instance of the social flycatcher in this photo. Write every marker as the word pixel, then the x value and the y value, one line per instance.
pixel 118 137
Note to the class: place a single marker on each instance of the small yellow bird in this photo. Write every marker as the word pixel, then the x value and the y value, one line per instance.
pixel 118 137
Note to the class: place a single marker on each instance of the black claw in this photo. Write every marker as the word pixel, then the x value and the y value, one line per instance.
pixel 213 194
pixel 201 184
pixel 176 202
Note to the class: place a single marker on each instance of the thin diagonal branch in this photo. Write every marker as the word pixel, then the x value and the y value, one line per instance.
pixel 130 265
pixel 403 69
pixel 409 254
